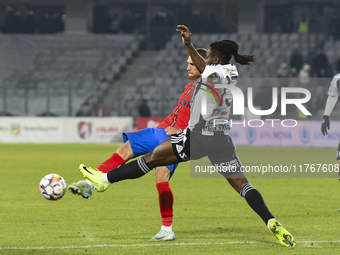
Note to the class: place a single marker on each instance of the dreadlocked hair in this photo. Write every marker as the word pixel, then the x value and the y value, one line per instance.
pixel 225 49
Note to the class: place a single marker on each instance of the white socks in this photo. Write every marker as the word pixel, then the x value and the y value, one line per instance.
pixel 90 183
pixel 169 229
pixel 268 222
pixel 104 178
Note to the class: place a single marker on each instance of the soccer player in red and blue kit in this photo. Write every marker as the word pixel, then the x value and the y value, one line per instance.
pixel 139 142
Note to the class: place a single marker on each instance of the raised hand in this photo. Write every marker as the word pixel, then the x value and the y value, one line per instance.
pixel 185 32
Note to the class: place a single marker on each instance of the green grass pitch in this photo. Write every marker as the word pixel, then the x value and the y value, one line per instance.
pixel 209 216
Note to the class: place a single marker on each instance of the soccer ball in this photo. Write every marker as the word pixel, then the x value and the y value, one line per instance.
pixel 52 187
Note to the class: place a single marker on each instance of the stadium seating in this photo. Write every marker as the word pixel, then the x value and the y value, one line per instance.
pixel 60 74
pixel 167 76
pixel 67 74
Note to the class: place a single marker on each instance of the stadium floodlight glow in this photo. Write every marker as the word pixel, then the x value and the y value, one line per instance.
pixel 238 100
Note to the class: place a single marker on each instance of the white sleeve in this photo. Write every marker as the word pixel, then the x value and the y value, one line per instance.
pixel 333 90
pixel 211 69
pixel 330 104
pixel 333 94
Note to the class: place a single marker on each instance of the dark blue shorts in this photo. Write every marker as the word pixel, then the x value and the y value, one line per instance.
pixel 145 140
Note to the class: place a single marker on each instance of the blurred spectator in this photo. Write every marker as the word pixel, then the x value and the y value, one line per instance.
pixel 311 62
pixel 304 76
pixel 117 19
pixel 296 60
pixel 115 24
pixel 321 64
pixel 293 77
pixel 20 18
pixel 303 25
pixel 10 21
pixel 282 71
pixel 144 110
pixel 30 22
pixel 163 19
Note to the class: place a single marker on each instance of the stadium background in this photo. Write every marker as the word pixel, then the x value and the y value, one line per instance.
pixel 102 58
pixel 64 64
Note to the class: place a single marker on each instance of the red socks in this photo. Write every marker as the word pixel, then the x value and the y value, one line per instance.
pixel 166 198
pixel 113 162
pixel 166 201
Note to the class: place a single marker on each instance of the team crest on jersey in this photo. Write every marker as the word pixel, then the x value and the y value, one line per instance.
pixel 229 71
pixel 15 129
pixel 84 129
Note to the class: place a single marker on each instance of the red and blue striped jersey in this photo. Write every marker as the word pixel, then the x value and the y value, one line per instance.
pixel 180 116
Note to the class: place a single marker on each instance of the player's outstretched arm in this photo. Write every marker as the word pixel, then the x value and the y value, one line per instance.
pixel 198 61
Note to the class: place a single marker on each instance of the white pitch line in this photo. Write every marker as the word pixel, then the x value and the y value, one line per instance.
pixel 149 245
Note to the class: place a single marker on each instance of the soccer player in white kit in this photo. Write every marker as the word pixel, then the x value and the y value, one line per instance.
pixel 333 94
pixel 202 134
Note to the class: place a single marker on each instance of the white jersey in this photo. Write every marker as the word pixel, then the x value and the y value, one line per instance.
pixel 333 90
pixel 210 107
pixel 333 94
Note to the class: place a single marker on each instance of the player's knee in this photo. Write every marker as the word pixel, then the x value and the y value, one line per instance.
pixel 150 159
pixel 125 151
pixel 162 174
